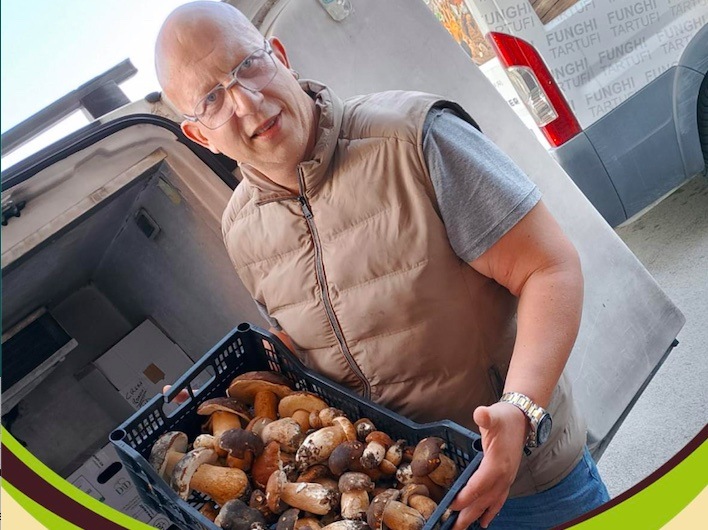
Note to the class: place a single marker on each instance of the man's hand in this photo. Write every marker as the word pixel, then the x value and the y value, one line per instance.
pixel 504 429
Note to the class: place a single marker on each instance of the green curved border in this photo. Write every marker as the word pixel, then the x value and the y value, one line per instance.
pixel 651 508
pixel 65 487
pixel 37 511
pixel 661 501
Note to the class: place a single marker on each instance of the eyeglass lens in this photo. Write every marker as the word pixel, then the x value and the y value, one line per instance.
pixel 254 73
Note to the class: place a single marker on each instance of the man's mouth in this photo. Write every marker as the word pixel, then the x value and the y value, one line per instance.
pixel 266 126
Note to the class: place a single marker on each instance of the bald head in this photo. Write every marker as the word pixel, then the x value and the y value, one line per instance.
pixel 198 33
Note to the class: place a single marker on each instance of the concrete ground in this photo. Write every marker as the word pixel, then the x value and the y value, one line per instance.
pixel 671 240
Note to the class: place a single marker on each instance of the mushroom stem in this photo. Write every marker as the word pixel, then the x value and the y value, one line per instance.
pixel 398 516
pixel 172 458
pixel 221 483
pixel 310 497
pixel 266 405
pixel 223 421
pixel 424 505
pixel 445 474
pixel 355 504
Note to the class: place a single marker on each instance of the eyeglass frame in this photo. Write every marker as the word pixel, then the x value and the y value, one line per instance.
pixel 234 81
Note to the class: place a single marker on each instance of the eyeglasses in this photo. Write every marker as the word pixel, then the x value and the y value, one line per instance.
pixel 254 73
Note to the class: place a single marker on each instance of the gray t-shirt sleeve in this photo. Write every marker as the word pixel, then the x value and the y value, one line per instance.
pixel 481 192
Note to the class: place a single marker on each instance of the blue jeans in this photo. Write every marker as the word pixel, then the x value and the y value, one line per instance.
pixel 581 491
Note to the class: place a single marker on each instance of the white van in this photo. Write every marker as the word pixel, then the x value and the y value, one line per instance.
pixel 612 84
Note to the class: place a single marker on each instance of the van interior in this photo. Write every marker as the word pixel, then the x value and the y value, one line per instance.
pixel 141 251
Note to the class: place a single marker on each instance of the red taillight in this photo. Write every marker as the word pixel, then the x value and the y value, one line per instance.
pixel 536 85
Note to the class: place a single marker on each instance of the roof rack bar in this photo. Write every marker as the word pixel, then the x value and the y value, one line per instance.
pixel 71 102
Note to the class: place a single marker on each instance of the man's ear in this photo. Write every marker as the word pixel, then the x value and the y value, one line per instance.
pixel 192 131
pixel 279 51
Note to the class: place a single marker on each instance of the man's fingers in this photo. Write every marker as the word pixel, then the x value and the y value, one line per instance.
pixel 179 398
pixel 468 516
pixel 489 515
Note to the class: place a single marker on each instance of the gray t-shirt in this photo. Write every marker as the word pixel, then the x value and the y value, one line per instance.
pixel 481 193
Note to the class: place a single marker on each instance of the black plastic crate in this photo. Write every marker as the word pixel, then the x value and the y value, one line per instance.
pixel 246 349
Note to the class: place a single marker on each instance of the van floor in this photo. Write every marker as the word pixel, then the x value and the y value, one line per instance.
pixel 671 240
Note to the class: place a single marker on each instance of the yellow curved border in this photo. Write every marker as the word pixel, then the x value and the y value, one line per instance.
pixel 661 501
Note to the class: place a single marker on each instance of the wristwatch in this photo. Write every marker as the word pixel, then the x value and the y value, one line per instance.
pixel 539 418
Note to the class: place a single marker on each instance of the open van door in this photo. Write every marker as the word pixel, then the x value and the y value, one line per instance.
pixel 629 325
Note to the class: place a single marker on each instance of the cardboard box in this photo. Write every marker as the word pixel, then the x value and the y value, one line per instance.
pixel 142 363
pixel 104 477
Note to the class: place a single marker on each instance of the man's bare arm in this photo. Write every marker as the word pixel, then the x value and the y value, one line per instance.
pixel 537 263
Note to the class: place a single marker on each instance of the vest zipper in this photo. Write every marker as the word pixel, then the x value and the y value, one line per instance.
pixel 319 266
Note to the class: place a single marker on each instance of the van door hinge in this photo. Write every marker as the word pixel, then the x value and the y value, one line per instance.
pixel 11 209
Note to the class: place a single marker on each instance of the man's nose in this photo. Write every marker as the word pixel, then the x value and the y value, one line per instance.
pixel 245 101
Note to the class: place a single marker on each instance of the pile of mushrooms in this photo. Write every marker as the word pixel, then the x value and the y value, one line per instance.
pixel 273 456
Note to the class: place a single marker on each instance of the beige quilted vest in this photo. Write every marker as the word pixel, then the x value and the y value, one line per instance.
pixel 358 270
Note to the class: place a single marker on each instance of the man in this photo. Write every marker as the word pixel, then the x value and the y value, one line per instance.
pixel 398 248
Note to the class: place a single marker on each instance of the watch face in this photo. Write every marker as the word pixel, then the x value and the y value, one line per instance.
pixel 544 429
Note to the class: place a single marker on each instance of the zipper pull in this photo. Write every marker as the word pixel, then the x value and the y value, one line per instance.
pixel 305 207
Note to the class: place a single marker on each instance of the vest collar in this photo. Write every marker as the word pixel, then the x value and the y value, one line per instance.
pixel 314 171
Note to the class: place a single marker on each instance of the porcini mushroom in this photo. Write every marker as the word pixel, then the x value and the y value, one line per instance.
pixel 417 496
pixel 404 476
pixel 355 488
pixel 241 447
pixel 347 524
pixel 286 431
pixel 324 417
pixel 307 523
pixel 318 446
pixel 262 390
pixel 196 471
pixel 346 457
pixel 167 451
pixel 378 443
pixel 264 465
pixel 288 519
pixel 299 405
pixel 310 497
pixel 209 510
pixel 258 502
pixel 364 427
pixel 236 515
pixel 430 461
pixel 386 510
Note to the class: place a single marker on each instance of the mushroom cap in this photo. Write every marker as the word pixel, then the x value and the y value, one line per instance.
pixel 347 426
pixel 345 456
pixel 274 489
pixel 300 401
pixel 238 442
pixel 264 465
pixel 246 386
pixel 374 516
pixel 413 489
pixel 187 466
pixel 426 457
pixel 354 481
pixel 288 519
pixel 170 441
pixel 224 404
pixel 286 431
pixel 313 473
pixel 381 438
pixel 364 427
pixel 236 515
